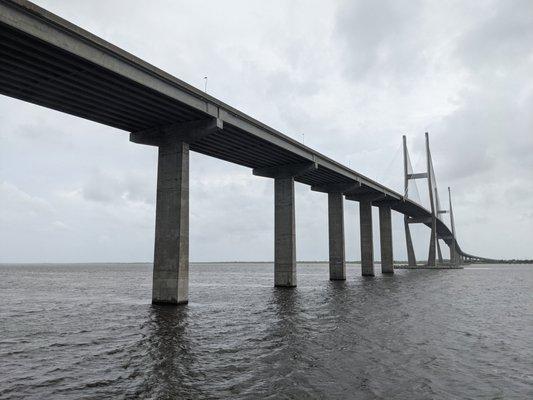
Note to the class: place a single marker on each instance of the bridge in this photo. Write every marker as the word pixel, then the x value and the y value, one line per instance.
pixel 51 62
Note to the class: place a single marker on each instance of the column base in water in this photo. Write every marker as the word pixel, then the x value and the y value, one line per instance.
pixel 337 262
pixel 284 233
pixel 171 253
pixel 367 245
pixel 385 235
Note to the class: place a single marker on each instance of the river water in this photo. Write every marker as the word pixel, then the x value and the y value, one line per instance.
pixel 88 331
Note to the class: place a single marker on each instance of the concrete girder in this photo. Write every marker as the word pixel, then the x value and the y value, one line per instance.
pixel 187 132
pixel 386 202
pixel 420 220
pixel 286 171
pixel 366 197
pixel 337 187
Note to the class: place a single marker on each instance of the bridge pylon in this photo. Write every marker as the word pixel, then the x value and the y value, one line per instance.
pixel 454 257
pixel 434 250
pixel 411 258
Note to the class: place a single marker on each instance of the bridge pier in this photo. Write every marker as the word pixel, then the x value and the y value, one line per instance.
pixel 337 258
pixel 284 219
pixel 337 262
pixel 171 253
pixel 367 244
pixel 284 233
pixel 385 235
pixel 365 223
pixel 171 249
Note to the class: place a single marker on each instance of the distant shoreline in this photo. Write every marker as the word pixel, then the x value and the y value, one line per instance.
pixel 398 262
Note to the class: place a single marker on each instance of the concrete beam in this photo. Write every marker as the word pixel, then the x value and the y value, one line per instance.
pixel 367 244
pixel 386 201
pixel 422 175
pixel 337 187
pixel 286 171
pixel 284 233
pixel 385 235
pixel 187 132
pixel 337 262
pixel 423 220
pixel 171 255
pixel 366 197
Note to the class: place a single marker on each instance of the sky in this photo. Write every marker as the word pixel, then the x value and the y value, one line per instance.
pixel 348 78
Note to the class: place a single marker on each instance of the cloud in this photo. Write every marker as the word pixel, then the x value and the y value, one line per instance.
pixel 502 41
pixel 381 36
pixel 129 186
pixel 60 225
pixel 16 201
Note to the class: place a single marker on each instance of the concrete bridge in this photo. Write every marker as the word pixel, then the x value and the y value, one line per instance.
pixel 48 61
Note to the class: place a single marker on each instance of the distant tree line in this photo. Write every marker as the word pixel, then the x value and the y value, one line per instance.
pixel 512 261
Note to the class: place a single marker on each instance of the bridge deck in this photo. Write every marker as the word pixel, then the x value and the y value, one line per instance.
pixel 48 61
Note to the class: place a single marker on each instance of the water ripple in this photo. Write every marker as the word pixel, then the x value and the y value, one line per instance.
pixel 87 331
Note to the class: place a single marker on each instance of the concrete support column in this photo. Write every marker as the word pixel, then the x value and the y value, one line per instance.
pixel 411 259
pixel 439 253
pixel 385 235
pixel 367 245
pixel 432 244
pixel 453 255
pixel 284 233
pixel 171 255
pixel 337 262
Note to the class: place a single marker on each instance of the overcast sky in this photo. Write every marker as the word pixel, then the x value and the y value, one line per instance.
pixel 352 76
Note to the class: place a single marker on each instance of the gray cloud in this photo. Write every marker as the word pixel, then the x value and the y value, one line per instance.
pixel 381 39
pixel 106 187
pixel 501 40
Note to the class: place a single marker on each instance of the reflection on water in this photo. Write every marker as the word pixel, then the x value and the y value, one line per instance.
pixel 169 364
pixel 89 332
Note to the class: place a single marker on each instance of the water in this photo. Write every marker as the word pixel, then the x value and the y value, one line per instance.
pixel 89 332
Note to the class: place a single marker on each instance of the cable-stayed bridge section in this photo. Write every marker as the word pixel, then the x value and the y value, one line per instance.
pixel 51 62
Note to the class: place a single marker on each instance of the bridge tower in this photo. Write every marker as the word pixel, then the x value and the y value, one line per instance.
pixel 434 246
pixel 411 259
pixel 454 259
